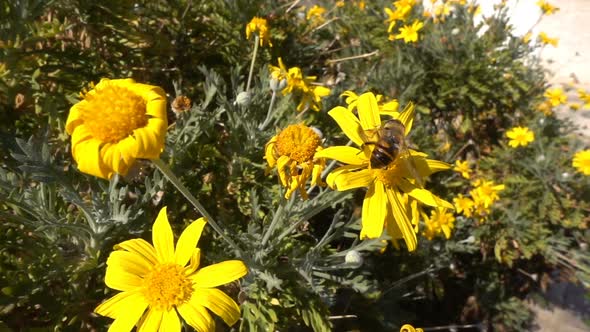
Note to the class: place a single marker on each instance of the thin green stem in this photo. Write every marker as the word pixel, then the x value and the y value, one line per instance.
pixel 256 41
pixel 186 193
pixel 269 112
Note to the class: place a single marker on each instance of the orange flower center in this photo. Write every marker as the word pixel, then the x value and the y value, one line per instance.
pixel 111 113
pixel 166 286
pixel 298 142
pixel 389 177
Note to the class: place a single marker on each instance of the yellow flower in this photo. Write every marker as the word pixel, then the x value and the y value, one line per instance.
pixel 527 37
pixel 581 162
pixel 440 221
pixel 384 205
pixel 305 87
pixel 546 7
pixel 258 24
pixel 463 168
pixel 408 33
pixel 340 3
pixel 410 328
pixel 157 285
pixel 293 152
pixel 520 136
pixel 545 107
pixel 585 97
pixel 463 205
pixel 555 96
pixel 485 193
pixel 316 14
pixel 389 108
pixel 280 72
pixel 115 123
pixel 362 5
pixel 547 40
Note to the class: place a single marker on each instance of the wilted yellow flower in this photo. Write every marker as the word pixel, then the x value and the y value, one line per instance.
pixel 546 7
pixel 410 328
pixel 258 24
pixel 555 96
pixel 409 33
pixel 115 123
pixel 384 205
pixel 293 152
pixel 463 168
pixel 316 14
pixel 581 162
pixel 157 285
pixel 585 97
pixel 463 205
pixel 547 40
pixel 520 136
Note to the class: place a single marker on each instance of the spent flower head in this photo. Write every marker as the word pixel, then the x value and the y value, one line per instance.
pixel 117 122
pixel 160 282
pixel 293 152
pixel 260 26
pixel 391 188
pixel 520 136
pixel 581 162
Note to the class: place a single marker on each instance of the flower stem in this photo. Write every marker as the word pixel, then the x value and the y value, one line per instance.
pixel 256 41
pixel 186 193
pixel 269 112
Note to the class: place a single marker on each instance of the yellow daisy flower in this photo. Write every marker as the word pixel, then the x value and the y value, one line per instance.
pixel 463 168
pixel 581 162
pixel 546 7
pixel 315 14
pixel 555 96
pixel 547 40
pixel 293 152
pixel 115 123
pixel 409 33
pixel 384 204
pixel 520 136
pixel 258 24
pixel 157 285
pixel 463 205
pixel 485 193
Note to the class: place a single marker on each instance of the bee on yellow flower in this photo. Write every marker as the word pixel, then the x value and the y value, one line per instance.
pixel 555 96
pixel 581 162
pixel 520 136
pixel 258 24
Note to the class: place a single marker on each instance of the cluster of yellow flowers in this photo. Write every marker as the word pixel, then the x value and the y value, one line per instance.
pixel 483 195
pixel 441 221
pixel 557 96
pixel 403 8
pixel 304 86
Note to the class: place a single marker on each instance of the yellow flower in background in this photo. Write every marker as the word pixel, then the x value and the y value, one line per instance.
pixel 340 3
pixel 390 108
pixel 409 33
pixel 293 152
pixel 440 221
pixel 410 328
pixel 527 37
pixel 585 97
pixel 463 205
pixel 520 136
pixel 555 96
pixel 117 122
pixel 311 96
pixel 546 7
pixel 581 162
pixel 463 168
pixel 545 107
pixel 258 24
pixel 485 193
pixel 547 40
pixel 384 205
pixel 316 14
pixel 159 282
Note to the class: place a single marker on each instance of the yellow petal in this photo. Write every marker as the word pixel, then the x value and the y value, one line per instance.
pixel 163 238
pixel 74 118
pixel 148 140
pixel 130 262
pixel 188 241
pixel 219 274
pixel 349 124
pixel 86 152
pixel 170 322
pixel 119 279
pixel 141 247
pixel 407 117
pixel 374 211
pixel 281 164
pixel 344 154
pixel 151 321
pixel 368 110
pixel 124 323
pixel 335 173
pixel 111 156
pixel 197 316
pixel 195 261
pixel 400 214
pixel 119 304
pixel 353 179
pixel 219 303
pixel 423 195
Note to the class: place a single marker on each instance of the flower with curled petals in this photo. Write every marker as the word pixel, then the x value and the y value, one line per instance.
pixel 410 328
pixel 384 206
pixel 260 26
pixel 159 282
pixel 117 122
pixel 292 152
